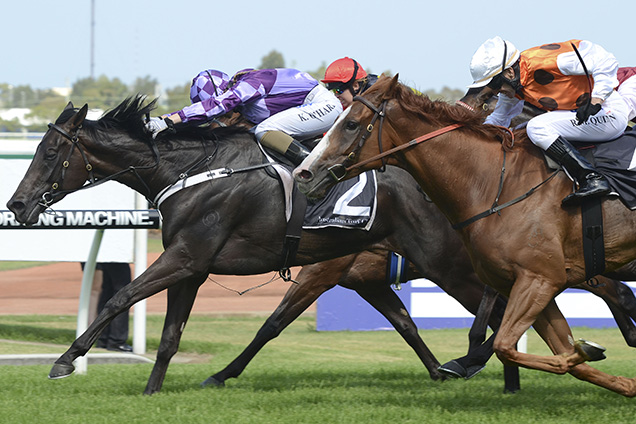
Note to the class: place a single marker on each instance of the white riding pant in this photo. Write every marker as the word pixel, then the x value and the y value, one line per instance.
pixel 609 123
pixel 313 118
pixel 628 90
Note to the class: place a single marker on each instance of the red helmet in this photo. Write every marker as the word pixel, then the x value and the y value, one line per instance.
pixel 345 71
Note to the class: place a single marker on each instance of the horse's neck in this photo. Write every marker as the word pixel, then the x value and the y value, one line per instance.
pixel 153 173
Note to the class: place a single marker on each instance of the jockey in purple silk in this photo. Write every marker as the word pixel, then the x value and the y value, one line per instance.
pixel 286 105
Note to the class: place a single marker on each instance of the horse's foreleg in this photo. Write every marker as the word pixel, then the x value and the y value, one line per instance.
pixel 384 299
pixel 180 301
pixel 552 331
pixel 529 301
pixel 313 281
pixel 555 331
pixel 167 270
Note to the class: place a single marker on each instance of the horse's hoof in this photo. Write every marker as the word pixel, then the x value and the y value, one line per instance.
pixel 590 351
pixel 211 381
pixel 473 371
pixel 60 371
pixel 453 369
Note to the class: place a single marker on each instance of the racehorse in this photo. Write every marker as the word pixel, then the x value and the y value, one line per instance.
pixel 101 144
pixel 233 225
pixel 526 244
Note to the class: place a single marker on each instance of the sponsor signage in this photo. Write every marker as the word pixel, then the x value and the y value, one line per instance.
pixel 341 309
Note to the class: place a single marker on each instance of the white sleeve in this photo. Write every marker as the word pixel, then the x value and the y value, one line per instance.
pixel 506 109
pixel 601 64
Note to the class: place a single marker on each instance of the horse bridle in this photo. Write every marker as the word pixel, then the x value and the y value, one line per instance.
pixel 48 197
pixel 74 139
pixel 339 171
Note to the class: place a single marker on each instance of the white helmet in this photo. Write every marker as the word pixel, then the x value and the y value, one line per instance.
pixel 491 59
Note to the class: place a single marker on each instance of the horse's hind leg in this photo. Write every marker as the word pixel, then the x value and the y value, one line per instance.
pixel 313 281
pixel 384 299
pixel 180 301
pixel 622 303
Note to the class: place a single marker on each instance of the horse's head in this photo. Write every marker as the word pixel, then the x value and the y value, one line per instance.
pixel 59 165
pixel 484 99
pixel 479 98
pixel 355 138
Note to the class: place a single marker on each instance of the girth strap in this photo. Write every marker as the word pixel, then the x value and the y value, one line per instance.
pixel 593 243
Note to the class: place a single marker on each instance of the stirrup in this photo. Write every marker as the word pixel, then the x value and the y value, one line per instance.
pixel 596 186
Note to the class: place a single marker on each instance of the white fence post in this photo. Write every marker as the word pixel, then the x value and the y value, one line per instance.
pixel 81 363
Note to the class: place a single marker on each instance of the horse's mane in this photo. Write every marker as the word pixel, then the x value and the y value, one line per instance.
pixel 439 112
pixel 129 116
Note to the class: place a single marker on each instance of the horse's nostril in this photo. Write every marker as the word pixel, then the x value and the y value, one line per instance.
pixel 304 175
pixel 16 206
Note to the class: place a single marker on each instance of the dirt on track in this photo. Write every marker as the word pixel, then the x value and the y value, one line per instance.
pixel 54 290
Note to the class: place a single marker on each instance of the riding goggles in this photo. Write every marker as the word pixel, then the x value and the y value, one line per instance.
pixel 337 87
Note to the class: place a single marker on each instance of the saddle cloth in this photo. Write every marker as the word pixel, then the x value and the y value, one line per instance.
pixel 616 160
pixel 350 204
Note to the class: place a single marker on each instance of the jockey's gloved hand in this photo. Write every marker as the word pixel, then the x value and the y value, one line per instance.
pixel 585 111
pixel 156 125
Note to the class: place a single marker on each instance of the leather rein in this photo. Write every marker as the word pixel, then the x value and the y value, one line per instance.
pixel 339 171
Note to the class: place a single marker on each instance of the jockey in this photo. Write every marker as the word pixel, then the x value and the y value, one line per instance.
pixel 346 78
pixel 552 77
pixel 286 105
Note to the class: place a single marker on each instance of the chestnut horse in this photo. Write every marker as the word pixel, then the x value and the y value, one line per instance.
pixel 520 238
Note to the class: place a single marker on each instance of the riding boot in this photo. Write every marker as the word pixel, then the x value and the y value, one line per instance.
pixel 589 181
pixel 296 152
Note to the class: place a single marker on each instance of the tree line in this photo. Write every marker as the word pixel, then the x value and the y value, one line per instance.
pixel 105 93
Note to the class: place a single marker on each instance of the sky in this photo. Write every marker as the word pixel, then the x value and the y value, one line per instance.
pixel 47 43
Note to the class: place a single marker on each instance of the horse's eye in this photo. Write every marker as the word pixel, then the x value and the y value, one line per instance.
pixel 351 125
pixel 50 154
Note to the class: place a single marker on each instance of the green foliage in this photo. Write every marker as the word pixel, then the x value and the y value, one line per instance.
pixel 101 93
pixel 319 73
pixel 146 85
pixel 174 99
pixel 447 94
pixel 271 60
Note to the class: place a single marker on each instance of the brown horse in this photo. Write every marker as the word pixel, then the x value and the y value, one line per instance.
pixel 529 249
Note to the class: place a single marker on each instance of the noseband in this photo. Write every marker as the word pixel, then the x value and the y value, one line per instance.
pixel 339 171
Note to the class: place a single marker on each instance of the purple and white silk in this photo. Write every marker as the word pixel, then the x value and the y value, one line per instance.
pixel 261 93
pixel 208 83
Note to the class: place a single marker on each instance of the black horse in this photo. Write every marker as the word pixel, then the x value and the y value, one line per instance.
pixel 234 225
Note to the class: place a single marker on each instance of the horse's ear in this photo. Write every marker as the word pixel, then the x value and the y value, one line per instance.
pixel 394 83
pixel 69 106
pixel 79 117
pixel 389 93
